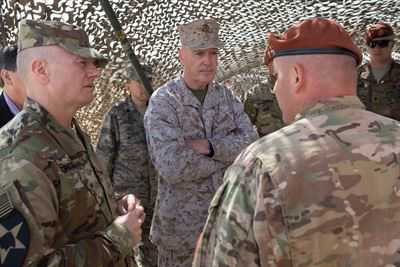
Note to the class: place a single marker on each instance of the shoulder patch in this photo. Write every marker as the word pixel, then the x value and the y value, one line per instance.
pixel 14 234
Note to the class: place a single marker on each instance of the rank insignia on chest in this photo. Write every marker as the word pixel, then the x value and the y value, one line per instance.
pixel 14 234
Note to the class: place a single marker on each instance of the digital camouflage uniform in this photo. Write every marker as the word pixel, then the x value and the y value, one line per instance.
pixel 188 180
pixel 263 110
pixel 323 191
pixel 382 97
pixel 56 202
pixel 123 148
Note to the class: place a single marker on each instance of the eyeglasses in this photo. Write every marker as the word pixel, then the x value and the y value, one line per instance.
pixel 380 43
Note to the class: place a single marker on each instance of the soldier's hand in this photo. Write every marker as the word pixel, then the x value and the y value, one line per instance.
pixel 133 220
pixel 127 203
pixel 201 146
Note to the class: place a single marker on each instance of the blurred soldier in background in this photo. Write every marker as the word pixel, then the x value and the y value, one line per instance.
pixel 122 147
pixel 13 95
pixel 379 77
pixel 262 108
pixel 57 206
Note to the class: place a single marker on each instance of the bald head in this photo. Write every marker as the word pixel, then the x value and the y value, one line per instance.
pixel 303 80
pixel 332 75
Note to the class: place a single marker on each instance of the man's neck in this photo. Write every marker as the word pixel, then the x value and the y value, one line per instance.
pixel 193 85
pixel 62 115
pixel 196 87
pixel 380 64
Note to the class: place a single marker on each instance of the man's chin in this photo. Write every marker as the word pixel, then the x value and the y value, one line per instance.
pixel 88 100
pixel 143 98
pixel 208 78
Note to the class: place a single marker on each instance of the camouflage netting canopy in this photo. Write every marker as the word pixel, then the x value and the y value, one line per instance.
pixel 151 28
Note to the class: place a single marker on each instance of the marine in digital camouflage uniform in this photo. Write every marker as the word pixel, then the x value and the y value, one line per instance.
pixel 122 147
pixel 263 110
pixel 322 191
pixel 195 128
pixel 57 206
pixel 379 77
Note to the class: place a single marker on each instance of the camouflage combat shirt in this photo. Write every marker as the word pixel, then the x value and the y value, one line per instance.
pixel 52 179
pixel 263 111
pixel 381 97
pixel 323 191
pixel 188 180
pixel 123 148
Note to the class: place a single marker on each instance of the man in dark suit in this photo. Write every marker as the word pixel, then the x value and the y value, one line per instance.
pixel 13 94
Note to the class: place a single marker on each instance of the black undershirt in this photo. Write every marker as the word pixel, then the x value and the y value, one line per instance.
pixel 200 94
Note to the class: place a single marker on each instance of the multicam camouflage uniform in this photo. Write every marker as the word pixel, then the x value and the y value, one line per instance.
pixel 323 191
pixel 123 148
pixel 188 180
pixel 382 97
pixel 262 108
pixel 56 200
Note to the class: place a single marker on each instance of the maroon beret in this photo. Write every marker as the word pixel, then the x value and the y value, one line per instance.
pixel 379 31
pixel 312 36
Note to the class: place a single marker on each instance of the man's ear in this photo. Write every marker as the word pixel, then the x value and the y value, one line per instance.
pixel 5 76
pixel 180 56
pixel 298 78
pixel 40 70
pixel 127 87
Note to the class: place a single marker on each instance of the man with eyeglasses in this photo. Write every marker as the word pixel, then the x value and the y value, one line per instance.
pixel 379 77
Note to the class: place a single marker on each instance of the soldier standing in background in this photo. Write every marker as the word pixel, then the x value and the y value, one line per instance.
pixel 195 128
pixel 122 147
pixel 57 206
pixel 322 191
pixel 379 78
pixel 262 108
pixel 13 95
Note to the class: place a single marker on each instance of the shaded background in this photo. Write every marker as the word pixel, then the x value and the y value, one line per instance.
pixel 151 28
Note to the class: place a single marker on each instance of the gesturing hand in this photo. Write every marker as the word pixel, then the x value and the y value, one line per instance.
pixel 133 220
pixel 127 203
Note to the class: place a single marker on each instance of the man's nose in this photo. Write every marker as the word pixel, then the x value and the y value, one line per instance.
pixel 207 59
pixel 93 71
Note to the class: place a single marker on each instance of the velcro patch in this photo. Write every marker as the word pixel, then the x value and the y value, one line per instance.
pixel 14 234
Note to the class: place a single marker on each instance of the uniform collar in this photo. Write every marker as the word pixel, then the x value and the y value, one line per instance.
pixel 72 142
pixel 11 105
pixel 188 99
pixel 366 72
pixel 67 138
pixel 131 106
pixel 331 104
